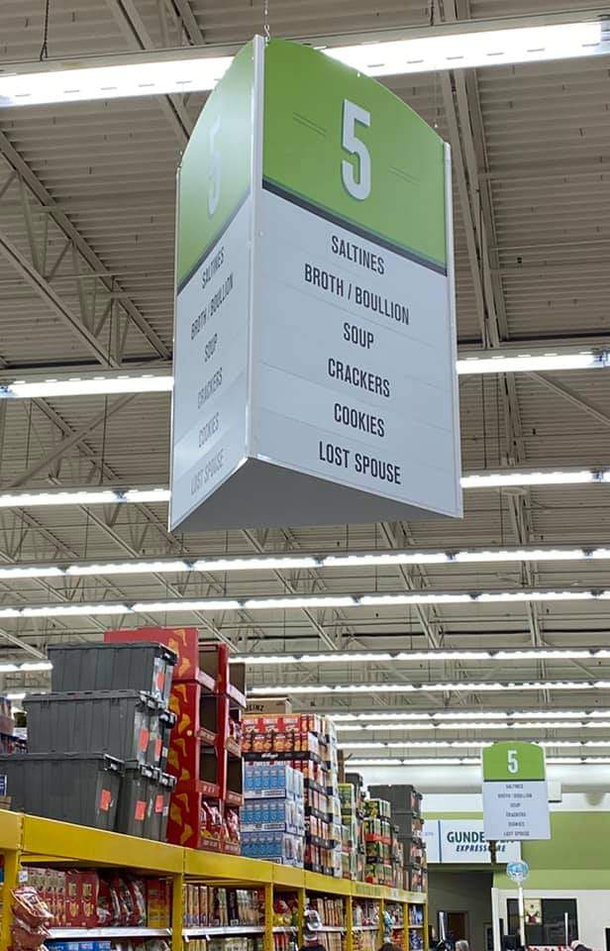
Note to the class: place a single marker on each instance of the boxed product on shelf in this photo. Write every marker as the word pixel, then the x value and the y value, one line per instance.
pixel 120 666
pixel 272 780
pixel 158 902
pixel 377 808
pixel 269 813
pixel 282 847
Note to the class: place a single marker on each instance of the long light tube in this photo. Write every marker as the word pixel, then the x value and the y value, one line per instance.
pixel 238 564
pixel 426 656
pixel 85 386
pixel 188 72
pixel 441 687
pixel 99 496
pixel 292 602
pixel 474 50
pixel 163 382
pixel 473 761
pixel 138 495
pixel 464 744
pixel 478 725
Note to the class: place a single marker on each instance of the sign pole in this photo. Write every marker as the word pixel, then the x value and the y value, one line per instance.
pixel 521 916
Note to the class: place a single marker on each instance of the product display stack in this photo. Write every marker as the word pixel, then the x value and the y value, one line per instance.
pixel 365 925
pixel 218 910
pixel 406 806
pixel 273 816
pixel 10 741
pixel 416 928
pixel 98 743
pixel 378 838
pixel 204 757
pixel 301 741
pixel 352 831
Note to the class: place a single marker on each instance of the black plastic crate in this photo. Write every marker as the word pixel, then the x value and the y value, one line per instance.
pixel 117 722
pixel 72 787
pixel 129 666
pixel 155 826
pixel 136 800
pixel 167 722
pixel 402 798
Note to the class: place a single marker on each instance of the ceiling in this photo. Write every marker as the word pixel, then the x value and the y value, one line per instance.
pixel 86 283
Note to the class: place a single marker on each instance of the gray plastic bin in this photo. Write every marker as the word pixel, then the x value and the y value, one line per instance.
pixel 155 826
pixel 133 666
pixel 114 721
pixel 167 722
pixel 72 787
pixel 136 800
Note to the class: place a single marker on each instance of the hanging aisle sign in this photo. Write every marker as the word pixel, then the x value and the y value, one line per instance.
pixel 315 330
pixel 515 793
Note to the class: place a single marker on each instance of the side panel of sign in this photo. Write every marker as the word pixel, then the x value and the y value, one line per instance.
pixel 213 275
pixel 353 350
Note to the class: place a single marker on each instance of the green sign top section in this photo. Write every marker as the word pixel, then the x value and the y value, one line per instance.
pixel 215 170
pixel 344 143
pixel 513 762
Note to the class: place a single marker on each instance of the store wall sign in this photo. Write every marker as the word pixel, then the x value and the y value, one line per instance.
pixel 315 323
pixel 515 795
pixel 463 841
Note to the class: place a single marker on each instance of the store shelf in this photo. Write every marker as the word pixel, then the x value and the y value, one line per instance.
pixel 233 747
pixel 222 932
pixel 286 929
pixel 333 929
pixel 366 927
pixel 234 798
pixel 75 934
pixel 207 737
pixel 211 790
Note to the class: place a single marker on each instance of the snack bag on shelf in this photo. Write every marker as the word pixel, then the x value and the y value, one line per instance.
pixel 31 919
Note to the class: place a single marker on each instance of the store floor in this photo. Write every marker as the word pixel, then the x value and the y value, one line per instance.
pixel 465 896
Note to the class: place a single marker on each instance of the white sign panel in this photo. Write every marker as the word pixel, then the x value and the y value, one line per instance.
pixel 462 841
pixel 516 811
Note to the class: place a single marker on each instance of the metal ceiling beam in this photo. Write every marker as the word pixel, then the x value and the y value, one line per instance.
pixel 135 32
pixel 467 132
pixel 44 464
pixel 51 298
pixel 18 164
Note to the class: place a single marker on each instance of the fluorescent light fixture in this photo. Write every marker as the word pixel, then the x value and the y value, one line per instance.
pixel 468 50
pixel 417 657
pixel 85 386
pixel 497 480
pixel 457 687
pixel 534 362
pixel 240 564
pixel 459 716
pixel 478 725
pixel 295 601
pixel 27 667
pixel 99 496
pixel 181 72
pixel 50 85
pixel 489 480
pixel 15 696
pixel 471 761
pixel 466 744
pixel 292 602
pixel 102 385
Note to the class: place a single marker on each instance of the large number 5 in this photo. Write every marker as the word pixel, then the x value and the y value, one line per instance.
pixel 360 187
pixel 214 171
pixel 513 762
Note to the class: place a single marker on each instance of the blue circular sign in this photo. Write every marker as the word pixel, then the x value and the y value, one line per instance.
pixel 517 871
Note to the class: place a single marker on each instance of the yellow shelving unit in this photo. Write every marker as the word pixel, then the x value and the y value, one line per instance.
pixel 30 840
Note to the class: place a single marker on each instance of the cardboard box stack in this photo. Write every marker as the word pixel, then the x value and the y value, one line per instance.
pixel 352 831
pixel 306 743
pixel 273 816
